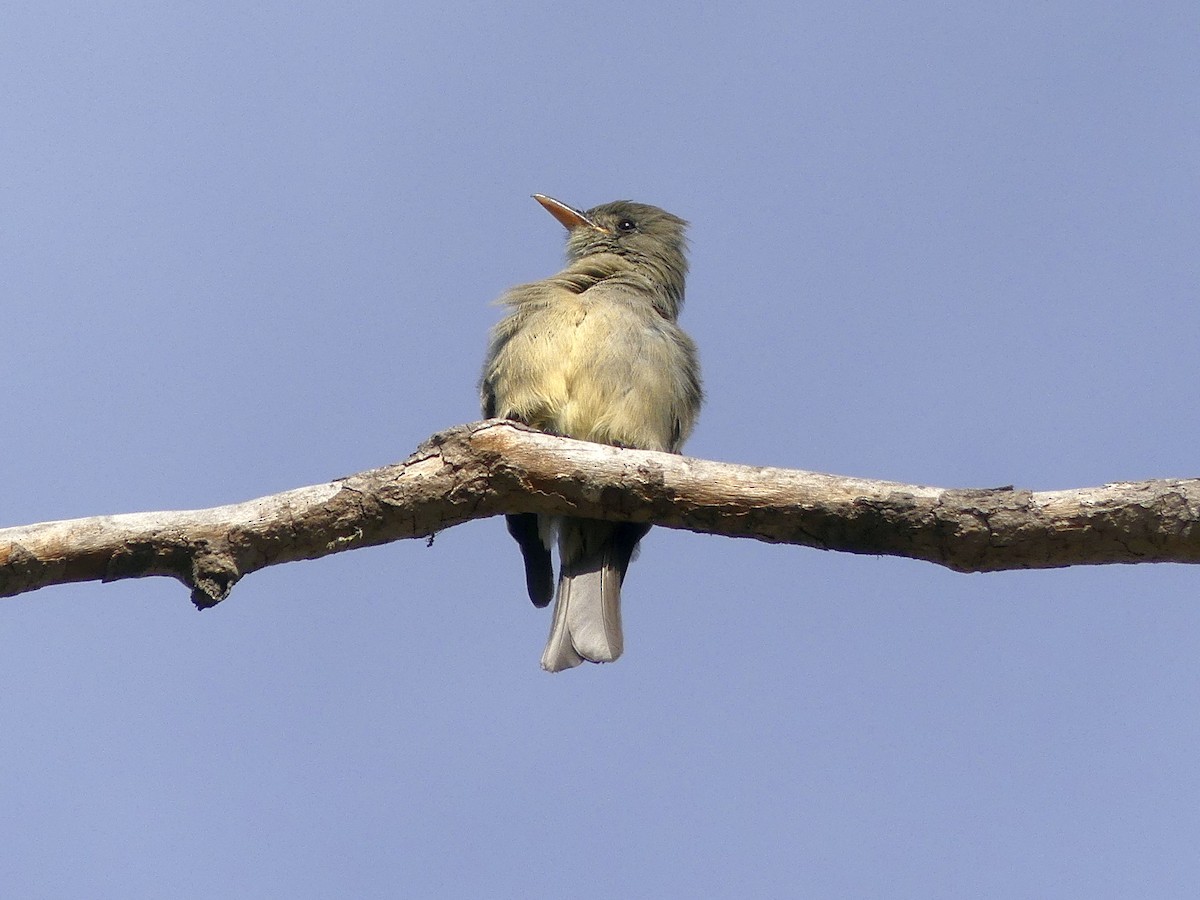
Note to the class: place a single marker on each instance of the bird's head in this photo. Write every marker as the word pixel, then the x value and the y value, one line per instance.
pixel 650 238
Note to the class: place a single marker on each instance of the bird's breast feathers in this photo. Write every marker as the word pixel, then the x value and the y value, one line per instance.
pixel 591 367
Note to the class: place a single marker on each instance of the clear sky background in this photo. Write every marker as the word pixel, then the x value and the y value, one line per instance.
pixel 248 247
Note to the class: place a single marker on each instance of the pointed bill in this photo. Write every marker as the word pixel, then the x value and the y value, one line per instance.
pixel 567 215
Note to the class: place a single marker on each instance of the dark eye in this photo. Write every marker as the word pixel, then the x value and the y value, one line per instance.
pixel 627 225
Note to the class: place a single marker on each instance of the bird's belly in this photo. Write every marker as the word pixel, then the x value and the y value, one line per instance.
pixel 596 372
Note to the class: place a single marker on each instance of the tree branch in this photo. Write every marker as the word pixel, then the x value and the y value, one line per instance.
pixel 488 468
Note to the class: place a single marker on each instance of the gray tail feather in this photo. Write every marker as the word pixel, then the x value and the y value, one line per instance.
pixel 587 608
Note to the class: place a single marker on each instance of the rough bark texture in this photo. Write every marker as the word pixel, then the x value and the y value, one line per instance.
pixel 494 467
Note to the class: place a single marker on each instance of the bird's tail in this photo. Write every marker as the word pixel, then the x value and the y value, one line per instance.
pixel 587 608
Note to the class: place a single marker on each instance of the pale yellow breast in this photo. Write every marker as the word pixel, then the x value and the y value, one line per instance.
pixel 593 368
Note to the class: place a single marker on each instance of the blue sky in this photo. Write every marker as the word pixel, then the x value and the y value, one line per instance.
pixel 250 247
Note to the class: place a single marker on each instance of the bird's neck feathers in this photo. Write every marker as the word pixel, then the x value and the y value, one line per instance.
pixel 588 271
pixel 661 284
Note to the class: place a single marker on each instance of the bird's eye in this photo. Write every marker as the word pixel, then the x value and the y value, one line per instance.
pixel 627 225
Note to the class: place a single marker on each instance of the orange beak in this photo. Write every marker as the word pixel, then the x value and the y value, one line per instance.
pixel 569 216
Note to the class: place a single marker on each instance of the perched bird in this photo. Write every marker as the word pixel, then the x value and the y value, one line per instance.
pixel 594 353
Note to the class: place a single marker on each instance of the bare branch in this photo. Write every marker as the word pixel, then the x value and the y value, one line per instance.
pixel 488 468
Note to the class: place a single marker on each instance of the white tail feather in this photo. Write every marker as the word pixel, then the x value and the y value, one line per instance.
pixel 587 606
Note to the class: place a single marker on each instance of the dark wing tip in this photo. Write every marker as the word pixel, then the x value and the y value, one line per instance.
pixel 539 569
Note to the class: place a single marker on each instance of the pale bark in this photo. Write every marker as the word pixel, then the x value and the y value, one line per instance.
pixel 488 468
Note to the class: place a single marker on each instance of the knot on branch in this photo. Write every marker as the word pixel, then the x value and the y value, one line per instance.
pixel 213 575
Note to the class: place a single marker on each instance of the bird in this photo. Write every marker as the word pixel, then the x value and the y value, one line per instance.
pixel 595 353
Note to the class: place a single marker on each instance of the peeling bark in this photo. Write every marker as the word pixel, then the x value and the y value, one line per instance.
pixel 488 468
